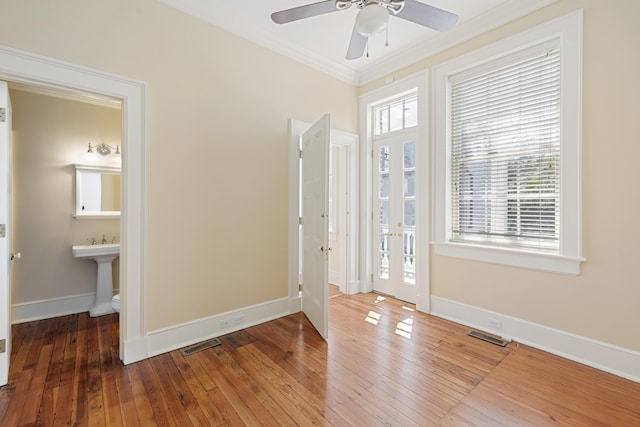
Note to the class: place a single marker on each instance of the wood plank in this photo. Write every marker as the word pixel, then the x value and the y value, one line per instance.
pixel 140 398
pixel 384 364
pixel 254 396
pixel 181 390
pixel 239 410
pixel 110 396
pixel 161 412
pixel 191 370
pixel 62 413
pixel 29 410
pixel 79 401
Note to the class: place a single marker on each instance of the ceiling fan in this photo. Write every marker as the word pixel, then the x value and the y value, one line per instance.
pixel 372 17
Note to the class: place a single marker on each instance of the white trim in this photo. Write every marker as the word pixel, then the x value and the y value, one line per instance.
pixel 597 354
pixel 229 22
pixel 523 259
pixel 23 67
pixel 494 18
pixel 351 142
pixel 54 307
pixel 568 31
pixel 168 339
pixel 423 182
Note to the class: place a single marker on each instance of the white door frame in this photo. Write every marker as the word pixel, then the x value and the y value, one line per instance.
pixel 5 240
pixel 350 141
pixel 34 70
pixel 420 81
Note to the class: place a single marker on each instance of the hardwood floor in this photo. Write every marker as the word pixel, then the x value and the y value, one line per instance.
pixel 384 364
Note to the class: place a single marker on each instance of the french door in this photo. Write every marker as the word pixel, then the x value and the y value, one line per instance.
pixel 394 215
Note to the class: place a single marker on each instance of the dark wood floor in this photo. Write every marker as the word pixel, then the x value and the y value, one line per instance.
pixel 384 364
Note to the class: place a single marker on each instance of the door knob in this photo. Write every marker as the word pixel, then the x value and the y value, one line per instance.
pixel 17 255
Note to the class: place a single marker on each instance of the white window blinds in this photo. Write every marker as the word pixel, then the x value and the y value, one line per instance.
pixel 504 124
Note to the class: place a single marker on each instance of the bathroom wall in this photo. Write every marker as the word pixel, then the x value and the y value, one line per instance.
pixel 49 135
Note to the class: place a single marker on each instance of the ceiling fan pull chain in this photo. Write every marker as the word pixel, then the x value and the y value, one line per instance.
pixel 367 47
pixel 386 43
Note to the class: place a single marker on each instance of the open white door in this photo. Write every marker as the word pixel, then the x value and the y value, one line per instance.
pixel 5 288
pixel 315 207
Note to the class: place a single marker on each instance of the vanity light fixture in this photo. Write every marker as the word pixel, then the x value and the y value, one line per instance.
pixel 103 149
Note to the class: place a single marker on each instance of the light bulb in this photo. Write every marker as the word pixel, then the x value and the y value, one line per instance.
pixel 372 19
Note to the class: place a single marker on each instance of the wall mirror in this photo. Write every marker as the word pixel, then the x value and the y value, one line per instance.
pixel 97 191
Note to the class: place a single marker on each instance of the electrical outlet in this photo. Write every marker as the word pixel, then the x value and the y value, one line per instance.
pixel 226 323
pixel 494 323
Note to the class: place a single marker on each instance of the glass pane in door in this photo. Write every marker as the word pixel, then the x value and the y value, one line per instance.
pixel 409 214
pixel 383 202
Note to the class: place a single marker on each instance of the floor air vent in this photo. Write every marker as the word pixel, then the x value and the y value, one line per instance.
pixel 200 346
pixel 489 338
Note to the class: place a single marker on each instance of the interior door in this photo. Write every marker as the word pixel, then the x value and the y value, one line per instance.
pixel 315 208
pixel 394 218
pixel 5 288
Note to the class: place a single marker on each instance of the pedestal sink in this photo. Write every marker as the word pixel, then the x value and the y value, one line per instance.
pixel 103 255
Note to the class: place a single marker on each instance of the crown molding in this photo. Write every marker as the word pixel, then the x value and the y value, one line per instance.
pixel 507 12
pixel 201 10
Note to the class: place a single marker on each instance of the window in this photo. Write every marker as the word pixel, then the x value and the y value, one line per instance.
pixel 396 115
pixel 508 151
pixel 505 152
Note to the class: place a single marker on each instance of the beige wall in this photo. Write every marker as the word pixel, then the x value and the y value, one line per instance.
pixel 49 135
pixel 217 146
pixel 603 302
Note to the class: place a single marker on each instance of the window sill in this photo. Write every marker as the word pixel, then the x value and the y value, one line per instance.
pixel 514 258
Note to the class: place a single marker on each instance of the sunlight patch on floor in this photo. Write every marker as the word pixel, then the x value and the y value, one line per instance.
pixel 373 317
pixel 405 327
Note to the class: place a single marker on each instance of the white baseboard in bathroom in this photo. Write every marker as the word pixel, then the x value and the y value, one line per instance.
pixel 168 339
pixel 603 356
pixel 46 309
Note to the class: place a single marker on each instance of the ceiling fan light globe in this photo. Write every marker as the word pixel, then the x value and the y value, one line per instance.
pixel 372 19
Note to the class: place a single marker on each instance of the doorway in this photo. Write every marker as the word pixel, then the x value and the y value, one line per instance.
pixel 394 216
pixel 396 169
pixel 25 68
pixel 347 149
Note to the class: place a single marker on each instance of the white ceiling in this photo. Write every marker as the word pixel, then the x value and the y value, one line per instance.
pixel 322 41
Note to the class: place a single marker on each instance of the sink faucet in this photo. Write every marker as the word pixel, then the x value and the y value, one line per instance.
pixel 104 239
pixel 93 240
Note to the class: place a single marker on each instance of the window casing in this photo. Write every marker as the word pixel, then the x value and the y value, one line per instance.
pixel 508 150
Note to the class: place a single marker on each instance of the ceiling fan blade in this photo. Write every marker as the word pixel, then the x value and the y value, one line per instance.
pixel 306 11
pixel 357 45
pixel 427 16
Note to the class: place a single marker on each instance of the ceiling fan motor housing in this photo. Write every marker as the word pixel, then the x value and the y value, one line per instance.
pixel 393 6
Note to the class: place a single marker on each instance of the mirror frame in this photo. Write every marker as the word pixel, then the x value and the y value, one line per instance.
pixel 113 170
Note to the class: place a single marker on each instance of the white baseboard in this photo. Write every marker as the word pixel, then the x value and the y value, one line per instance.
pixel 46 309
pixel 606 357
pixel 134 350
pixel 423 303
pixel 168 339
pixel 354 287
